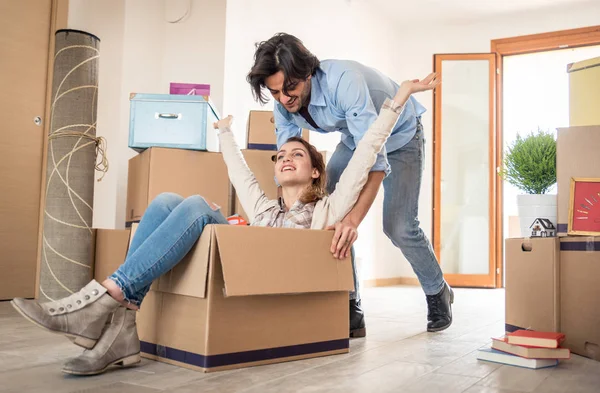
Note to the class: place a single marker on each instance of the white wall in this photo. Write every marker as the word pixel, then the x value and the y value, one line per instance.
pixel 194 50
pixel 141 72
pixel 140 52
pixel 106 20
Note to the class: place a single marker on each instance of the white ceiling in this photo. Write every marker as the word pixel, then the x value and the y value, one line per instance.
pixel 463 10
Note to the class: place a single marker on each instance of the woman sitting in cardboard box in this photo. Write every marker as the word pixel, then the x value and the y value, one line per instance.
pixel 101 317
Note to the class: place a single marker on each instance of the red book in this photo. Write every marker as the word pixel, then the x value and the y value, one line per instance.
pixel 535 339
pixel 500 344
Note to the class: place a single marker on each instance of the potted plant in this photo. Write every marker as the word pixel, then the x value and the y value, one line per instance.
pixel 530 165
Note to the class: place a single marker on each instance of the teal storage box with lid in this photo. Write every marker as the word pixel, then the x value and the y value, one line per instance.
pixel 172 121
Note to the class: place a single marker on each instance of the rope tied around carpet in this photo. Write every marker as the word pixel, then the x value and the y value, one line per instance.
pixel 74 155
pixel 99 141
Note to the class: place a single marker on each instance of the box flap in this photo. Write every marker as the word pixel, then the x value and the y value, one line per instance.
pixel 265 261
pixel 137 186
pixel 111 250
pixel 189 277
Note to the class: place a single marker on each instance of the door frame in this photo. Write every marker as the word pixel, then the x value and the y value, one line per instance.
pixel 556 40
pixel 58 20
pixel 466 280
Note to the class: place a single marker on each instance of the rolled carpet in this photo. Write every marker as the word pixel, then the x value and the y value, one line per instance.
pixel 68 239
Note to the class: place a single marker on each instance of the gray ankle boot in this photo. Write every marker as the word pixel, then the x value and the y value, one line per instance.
pixel 81 316
pixel 118 345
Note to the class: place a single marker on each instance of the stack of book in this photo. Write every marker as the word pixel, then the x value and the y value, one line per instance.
pixel 526 348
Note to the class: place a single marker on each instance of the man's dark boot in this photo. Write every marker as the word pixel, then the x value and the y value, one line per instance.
pixel 357 320
pixel 439 315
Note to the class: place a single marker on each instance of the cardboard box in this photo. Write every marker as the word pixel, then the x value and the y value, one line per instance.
pixel 241 298
pixel 532 284
pixel 261 131
pixel 580 292
pixel 262 166
pixel 576 156
pixel 584 92
pixel 183 172
pixel 111 250
pixel 172 121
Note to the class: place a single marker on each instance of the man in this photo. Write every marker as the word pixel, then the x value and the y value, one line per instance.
pixel 346 96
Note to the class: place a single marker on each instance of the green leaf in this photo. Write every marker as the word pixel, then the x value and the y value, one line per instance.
pixel 530 163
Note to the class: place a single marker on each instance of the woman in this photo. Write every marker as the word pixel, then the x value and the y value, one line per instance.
pixel 101 317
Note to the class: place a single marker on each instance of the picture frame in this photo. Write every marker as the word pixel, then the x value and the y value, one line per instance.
pixel 584 207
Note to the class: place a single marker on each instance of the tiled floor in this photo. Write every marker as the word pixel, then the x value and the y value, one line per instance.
pixel 397 356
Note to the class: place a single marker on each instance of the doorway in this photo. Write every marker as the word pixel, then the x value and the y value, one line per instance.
pixel 469 223
pixel 535 96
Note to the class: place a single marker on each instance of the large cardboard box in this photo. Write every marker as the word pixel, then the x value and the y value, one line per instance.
pixel 111 250
pixel 532 284
pixel 261 131
pixel 263 167
pixel 580 294
pixel 576 156
pixel 584 92
pixel 242 298
pixel 184 172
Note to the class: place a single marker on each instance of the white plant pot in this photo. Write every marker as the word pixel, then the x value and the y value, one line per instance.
pixel 532 206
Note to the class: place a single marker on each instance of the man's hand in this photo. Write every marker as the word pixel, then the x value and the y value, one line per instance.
pixel 344 237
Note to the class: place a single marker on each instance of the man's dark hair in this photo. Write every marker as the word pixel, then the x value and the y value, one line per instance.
pixel 282 52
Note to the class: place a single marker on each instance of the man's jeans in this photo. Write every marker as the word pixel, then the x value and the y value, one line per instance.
pixel 167 232
pixel 400 209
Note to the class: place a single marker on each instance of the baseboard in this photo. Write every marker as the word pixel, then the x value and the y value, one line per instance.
pixel 390 282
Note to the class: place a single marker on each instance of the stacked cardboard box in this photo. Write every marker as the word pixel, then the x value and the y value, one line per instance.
pixel 261 131
pixel 187 172
pixel 584 92
pixel 551 282
pixel 577 157
pixel 184 172
pixel 532 274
